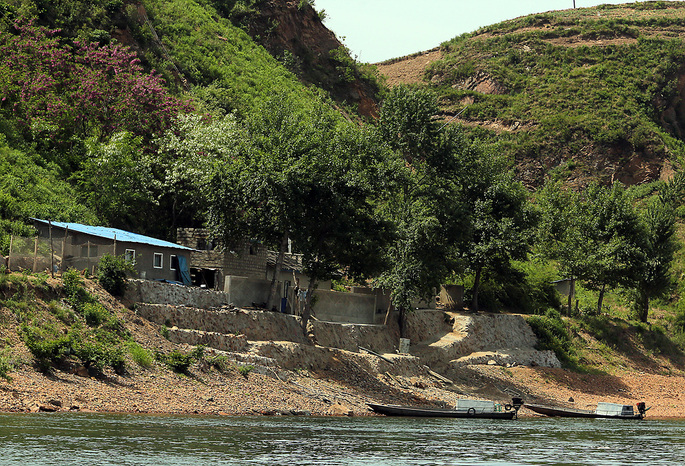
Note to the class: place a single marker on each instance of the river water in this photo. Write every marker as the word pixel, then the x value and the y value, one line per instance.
pixel 96 439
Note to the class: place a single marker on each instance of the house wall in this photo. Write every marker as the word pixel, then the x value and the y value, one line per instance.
pixel 248 260
pixel 82 251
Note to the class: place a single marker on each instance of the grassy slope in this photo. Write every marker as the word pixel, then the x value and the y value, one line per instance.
pixel 579 82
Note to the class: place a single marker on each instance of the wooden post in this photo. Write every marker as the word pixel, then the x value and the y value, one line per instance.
pixel 64 242
pixel 35 254
pixel 52 252
pixel 9 257
pixel 114 250
pixel 88 256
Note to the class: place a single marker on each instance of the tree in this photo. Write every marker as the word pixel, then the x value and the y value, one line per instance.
pixel 595 235
pixel 501 220
pixel 421 199
pixel 612 234
pixel 651 277
pixel 303 175
pixel 559 234
pixel 62 94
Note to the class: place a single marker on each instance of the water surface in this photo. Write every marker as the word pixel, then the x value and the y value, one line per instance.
pixel 94 439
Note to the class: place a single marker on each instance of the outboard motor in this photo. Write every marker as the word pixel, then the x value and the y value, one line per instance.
pixel 516 403
pixel 641 408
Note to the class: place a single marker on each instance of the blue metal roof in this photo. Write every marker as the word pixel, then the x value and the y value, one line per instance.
pixel 111 233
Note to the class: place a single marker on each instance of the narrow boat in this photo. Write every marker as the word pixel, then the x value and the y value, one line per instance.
pixel 464 409
pixel 603 411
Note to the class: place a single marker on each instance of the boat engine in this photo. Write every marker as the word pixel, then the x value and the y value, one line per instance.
pixel 516 403
pixel 642 408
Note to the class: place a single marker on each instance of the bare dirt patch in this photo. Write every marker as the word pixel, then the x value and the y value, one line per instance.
pixel 408 70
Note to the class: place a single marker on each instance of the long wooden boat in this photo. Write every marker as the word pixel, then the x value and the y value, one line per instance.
pixel 467 409
pixel 603 411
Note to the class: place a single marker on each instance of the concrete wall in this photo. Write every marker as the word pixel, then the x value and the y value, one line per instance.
pixel 146 291
pixel 335 306
pixel 243 291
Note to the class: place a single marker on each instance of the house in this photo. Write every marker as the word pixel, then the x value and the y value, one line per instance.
pixel 82 246
pixel 211 264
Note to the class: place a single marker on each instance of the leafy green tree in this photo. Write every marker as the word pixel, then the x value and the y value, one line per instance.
pixel 501 219
pixel 595 235
pixel 560 231
pixel 117 181
pixel 422 199
pixel 612 234
pixel 651 277
pixel 304 175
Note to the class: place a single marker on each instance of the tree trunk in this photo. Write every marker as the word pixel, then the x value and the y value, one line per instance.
pixel 271 302
pixel 571 294
pixel 403 322
pixel 476 285
pixel 643 306
pixel 388 312
pixel 601 298
pixel 307 310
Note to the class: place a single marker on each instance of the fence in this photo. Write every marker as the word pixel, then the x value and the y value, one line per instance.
pixel 56 254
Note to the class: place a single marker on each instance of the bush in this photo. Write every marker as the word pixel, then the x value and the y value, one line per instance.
pixel 97 349
pixel 112 274
pixel 552 334
pixel 6 365
pixel 177 361
pixel 45 344
pixel 245 370
pixel 95 314
pixel 140 355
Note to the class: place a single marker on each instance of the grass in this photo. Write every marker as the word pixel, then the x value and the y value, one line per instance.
pixel 572 97
pixel 140 355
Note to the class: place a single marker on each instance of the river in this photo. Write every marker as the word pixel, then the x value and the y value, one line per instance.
pixel 96 439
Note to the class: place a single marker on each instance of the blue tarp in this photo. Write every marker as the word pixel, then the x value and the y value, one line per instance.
pixel 183 270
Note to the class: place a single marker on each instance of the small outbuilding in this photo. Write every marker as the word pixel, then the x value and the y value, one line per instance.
pixel 82 246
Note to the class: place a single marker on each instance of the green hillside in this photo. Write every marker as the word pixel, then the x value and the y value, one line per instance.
pixel 590 93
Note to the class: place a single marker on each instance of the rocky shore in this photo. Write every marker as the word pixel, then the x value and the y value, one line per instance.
pixel 341 391
pixel 289 378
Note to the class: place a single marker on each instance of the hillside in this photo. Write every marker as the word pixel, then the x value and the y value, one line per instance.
pixel 590 93
pixel 264 376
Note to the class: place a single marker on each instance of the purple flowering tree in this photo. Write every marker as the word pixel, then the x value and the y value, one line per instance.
pixel 58 91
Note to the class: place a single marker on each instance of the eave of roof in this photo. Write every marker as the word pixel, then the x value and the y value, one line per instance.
pixel 114 233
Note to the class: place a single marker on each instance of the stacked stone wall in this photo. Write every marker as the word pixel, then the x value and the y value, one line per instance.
pixel 148 291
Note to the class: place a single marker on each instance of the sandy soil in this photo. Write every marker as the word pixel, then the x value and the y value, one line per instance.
pixel 344 391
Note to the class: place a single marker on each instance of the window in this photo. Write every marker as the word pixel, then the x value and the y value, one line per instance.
pixel 173 262
pixel 130 256
pixel 158 260
pixel 89 250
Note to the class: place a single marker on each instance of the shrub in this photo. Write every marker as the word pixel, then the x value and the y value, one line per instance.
pixel 95 314
pixel 6 365
pixel 97 349
pixel 45 344
pixel 112 274
pixel 220 362
pixel 140 355
pixel 552 334
pixel 64 315
pixel 245 370
pixel 177 361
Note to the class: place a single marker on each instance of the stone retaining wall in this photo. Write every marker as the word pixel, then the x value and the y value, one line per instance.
pixel 148 291
pixel 255 325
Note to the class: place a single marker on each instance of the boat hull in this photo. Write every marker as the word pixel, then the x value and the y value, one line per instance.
pixel 408 411
pixel 579 413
